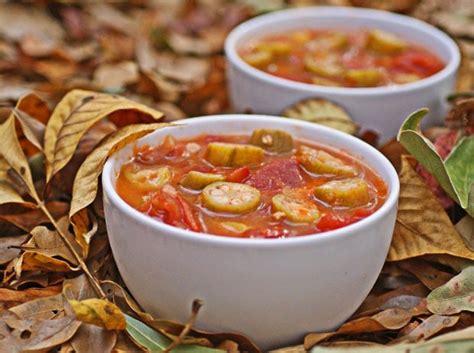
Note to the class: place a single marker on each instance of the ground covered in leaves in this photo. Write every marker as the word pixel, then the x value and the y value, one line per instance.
pixel 79 81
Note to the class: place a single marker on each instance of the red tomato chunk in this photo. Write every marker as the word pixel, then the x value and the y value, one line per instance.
pixel 267 185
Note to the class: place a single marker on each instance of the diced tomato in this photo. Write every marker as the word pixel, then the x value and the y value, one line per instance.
pixel 173 210
pixel 238 175
pixel 421 63
pixel 330 221
pixel 188 215
pixel 277 174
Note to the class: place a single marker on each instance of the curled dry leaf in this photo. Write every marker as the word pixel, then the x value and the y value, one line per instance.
pixel 86 180
pixel 454 296
pixel 465 227
pixel 99 312
pixel 29 296
pixel 13 154
pixel 422 226
pixel 324 112
pixel 428 328
pixel 389 319
pixel 73 116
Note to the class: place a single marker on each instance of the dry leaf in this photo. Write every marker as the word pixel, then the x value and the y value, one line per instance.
pixel 91 338
pixel 428 275
pixel 73 116
pixel 116 76
pixel 7 253
pixel 428 328
pixel 99 312
pixel 86 181
pixel 48 307
pixel 15 297
pixel 11 151
pixel 465 227
pixel 422 227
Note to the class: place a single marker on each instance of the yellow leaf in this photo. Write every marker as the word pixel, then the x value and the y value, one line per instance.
pixel 86 180
pixel 422 227
pixel 99 312
pixel 73 116
pixel 13 154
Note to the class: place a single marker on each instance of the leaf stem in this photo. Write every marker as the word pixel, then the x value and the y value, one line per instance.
pixel 95 284
pixel 197 304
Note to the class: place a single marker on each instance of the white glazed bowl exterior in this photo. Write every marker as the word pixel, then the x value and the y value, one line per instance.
pixel 274 290
pixel 382 109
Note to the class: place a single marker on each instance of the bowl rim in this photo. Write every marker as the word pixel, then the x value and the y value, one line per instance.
pixel 271 19
pixel 368 152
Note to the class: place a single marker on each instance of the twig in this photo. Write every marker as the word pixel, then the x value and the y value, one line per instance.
pixel 197 304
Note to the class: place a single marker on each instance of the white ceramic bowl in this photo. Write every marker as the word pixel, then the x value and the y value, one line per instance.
pixel 380 108
pixel 274 290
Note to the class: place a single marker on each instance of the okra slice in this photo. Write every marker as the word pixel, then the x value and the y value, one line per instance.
pixel 230 197
pixel 365 77
pixel 346 192
pixel 322 67
pixel 385 43
pixel 272 140
pixel 295 210
pixel 321 162
pixel 148 179
pixel 258 58
pixel 197 180
pixel 233 155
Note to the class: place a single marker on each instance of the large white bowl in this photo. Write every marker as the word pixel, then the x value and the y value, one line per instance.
pixel 274 290
pixel 380 108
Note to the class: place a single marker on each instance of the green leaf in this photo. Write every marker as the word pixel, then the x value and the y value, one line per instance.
pixel 153 341
pixel 459 342
pixel 455 296
pixel 456 174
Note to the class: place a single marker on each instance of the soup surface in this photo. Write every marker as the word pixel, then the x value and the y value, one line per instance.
pixel 359 58
pixel 266 185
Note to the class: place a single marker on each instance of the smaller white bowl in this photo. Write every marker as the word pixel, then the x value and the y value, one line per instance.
pixel 274 290
pixel 379 108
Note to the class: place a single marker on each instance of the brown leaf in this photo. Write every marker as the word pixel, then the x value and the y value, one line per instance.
pixel 45 308
pixel 116 76
pixel 394 151
pixel 422 227
pixel 465 227
pixel 73 116
pixel 15 297
pixel 34 335
pixel 427 274
pixel 99 312
pixel 7 253
pixel 91 338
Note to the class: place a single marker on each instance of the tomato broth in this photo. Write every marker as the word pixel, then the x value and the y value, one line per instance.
pixel 359 58
pixel 267 185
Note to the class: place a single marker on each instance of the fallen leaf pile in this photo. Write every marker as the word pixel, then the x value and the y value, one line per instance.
pixel 78 81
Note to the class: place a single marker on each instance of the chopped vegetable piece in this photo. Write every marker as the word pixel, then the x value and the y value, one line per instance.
pixel 324 68
pixel 346 192
pixel 384 42
pixel 238 175
pixel 258 58
pixel 276 175
pixel 230 197
pixel 272 140
pixel 295 209
pixel 197 180
pixel 331 41
pixel 235 227
pixel 321 162
pixel 322 112
pixel 233 155
pixel 147 179
pixel 365 77
pixel 274 47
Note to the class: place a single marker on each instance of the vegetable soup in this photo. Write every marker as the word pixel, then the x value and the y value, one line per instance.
pixel 359 58
pixel 267 185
